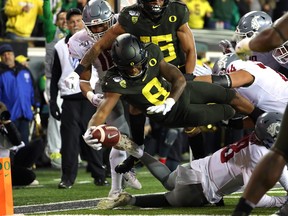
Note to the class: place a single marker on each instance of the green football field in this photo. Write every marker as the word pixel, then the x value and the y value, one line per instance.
pixel 81 199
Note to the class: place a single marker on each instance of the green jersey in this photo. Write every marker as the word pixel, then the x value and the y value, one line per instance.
pixel 163 32
pixel 151 89
pixel 192 108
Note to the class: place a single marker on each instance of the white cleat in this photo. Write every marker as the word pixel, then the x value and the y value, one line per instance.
pixel 129 146
pixel 130 180
pixel 122 199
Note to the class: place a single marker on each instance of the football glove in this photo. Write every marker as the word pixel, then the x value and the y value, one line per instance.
pixel 72 80
pixel 242 48
pixel 16 148
pixel 88 138
pixel 54 110
pixel 163 108
pixel 226 46
pixel 95 99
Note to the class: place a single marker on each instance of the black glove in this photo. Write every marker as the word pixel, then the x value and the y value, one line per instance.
pixel 54 110
pixel 126 165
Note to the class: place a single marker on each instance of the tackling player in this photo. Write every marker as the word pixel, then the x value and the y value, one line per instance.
pixel 98 17
pixel 260 84
pixel 268 171
pixel 206 181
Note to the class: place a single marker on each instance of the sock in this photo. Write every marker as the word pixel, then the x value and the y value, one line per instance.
pixel 153 200
pixel 115 158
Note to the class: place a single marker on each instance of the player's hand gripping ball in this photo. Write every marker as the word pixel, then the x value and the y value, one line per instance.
pixel 108 136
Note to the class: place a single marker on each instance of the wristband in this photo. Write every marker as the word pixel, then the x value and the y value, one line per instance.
pixel 90 95
pixel 79 69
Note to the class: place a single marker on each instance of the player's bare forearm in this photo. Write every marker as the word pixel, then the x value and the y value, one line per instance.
pixel 97 119
pixel 187 41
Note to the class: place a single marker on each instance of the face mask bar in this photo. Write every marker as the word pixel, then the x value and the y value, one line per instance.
pixel 280 54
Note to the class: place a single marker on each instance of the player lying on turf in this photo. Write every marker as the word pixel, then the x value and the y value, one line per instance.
pixel 207 180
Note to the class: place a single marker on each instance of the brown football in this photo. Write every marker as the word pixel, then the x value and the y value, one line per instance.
pixel 108 136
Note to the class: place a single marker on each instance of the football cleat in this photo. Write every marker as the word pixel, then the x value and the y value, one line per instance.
pixel 122 199
pixel 130 180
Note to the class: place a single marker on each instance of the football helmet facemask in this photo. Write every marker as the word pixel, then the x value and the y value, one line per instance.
pixel 153 10
pixel 97 12
pixel 280 54
pixel 129 56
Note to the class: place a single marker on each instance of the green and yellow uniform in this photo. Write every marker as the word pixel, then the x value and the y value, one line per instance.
pixel 191 109
pixel 162 32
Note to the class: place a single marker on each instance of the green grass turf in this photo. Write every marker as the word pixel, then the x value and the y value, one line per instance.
pixel 84 188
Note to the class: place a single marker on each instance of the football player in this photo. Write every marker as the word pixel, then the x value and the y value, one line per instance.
pixel 260 84
pixel 207 180
pixel 249 26
pixel 159 89
pixel 268 171
pixel 98 17
pixel 162 22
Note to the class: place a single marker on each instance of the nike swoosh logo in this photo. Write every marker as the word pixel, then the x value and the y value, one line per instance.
pixel 155 26
pixel 111 136
pixel 6 175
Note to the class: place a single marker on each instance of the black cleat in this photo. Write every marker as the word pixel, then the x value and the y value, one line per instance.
pixel 101 182
pixel 65 185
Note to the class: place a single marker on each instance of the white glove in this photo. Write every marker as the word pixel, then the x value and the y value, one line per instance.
pixel 72 80
pixel 95 99
pixel 242 48
pixel 16 148
pixel 88 138
pixel 163 108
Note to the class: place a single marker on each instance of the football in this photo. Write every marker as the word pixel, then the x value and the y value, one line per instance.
pixel 108 136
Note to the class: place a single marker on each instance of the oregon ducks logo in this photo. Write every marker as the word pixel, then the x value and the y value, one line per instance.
pixel 5 165
pixel 152 62
pixel 172 19
pixel 123 83
pixel 132 64
pixel 134 19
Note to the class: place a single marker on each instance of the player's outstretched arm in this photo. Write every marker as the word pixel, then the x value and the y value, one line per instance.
pixel 105 108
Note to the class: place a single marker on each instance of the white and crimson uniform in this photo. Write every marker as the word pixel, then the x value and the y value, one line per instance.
pixel 78 45
pixel 224 172
pixel 269 90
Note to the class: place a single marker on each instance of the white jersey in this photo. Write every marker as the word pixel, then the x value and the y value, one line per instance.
pixel 228 170
pixel 267 59
pixel 79 44
pixel 269 90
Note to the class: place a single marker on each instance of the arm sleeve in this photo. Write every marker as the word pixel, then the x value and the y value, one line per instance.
pixel 56 74
pixel 49 27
